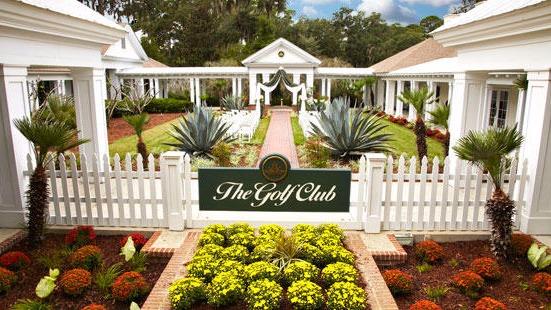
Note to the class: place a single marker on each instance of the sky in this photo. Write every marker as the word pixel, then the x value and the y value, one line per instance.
pixel 400 11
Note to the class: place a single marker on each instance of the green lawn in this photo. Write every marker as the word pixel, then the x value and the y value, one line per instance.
pixel 403 141
pixel 298 135
pixel 260 133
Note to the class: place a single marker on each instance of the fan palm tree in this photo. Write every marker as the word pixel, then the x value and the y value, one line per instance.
pixel 138 123
pixel 419 99
pixel 47 136
pixel 440 118
pixel 489 151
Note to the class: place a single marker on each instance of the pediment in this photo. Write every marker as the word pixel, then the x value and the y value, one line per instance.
pixel 281 53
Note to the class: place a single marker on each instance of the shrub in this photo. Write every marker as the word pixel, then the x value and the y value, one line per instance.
pixel 203 267
pixel 346 296
pixel 236 252
pixel 316 153
pixel 425 305
pixel 339 272
pixel 104 278
pixel 301 228
pixel 14 260
pixel 261 270
pixel 88 257
pixel 129 286
pixel 168 105
pixel 486 267
pixel 327 239
pixel 232 266
pixel 398 281
pixel 332 229
pixel 75 281
pixel 222 153
pixel 312 254
pixel 488 303
pixel 186 292
pixel 236 228
pixel 542 282
pixel 263 251
pixel 263 294
pixel 335 253
pixel 138 239
pixel 7 279
pixel 271 230
pixel 435 293
pixel 80 235
pixel 210 249
pixel 245 239
pixel 300 270
pixel 225 289
pixel 305 295
pixel 211 238
pixel 304 237
pixel 520 244
pixel 429 251
pixel 94 307
pixel 468 281
pixel 215 228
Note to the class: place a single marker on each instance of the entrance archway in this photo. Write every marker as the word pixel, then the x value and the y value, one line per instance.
pixel 281 76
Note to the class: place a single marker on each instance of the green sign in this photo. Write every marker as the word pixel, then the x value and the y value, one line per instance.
pixel 275 187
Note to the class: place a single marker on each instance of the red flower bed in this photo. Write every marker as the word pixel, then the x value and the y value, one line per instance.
pixel 468 281
pixel 425 305
pixel 488 303
pixel 486 267
pixel 80 235
pixel 129 286
pixel 542 282
pixel 138 239
pixel 94 307
pixel 521 243
pixel 398 282
pixel 429 251
pixel 88 257
pixel 75 281
pixel 7 279
pixel 14 260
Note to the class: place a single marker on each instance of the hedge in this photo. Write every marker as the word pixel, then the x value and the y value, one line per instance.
pixel 168 105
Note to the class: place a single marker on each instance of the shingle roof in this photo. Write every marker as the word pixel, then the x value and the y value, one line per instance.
pixel 422 52
pixel 152 63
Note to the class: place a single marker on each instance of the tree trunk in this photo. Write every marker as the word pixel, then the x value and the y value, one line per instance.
pixel 142 150
pixel 447 144
pixel 37 202
pixel 421 133
pixel 500 210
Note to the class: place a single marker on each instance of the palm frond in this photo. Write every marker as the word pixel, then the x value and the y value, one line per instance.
pixel 440 116
pixel 419 99
pixel 138 122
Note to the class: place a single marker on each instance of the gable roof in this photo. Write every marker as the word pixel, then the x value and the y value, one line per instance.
pixel 152 63
pixel 281 42
pixel 114 50
pixel 425 51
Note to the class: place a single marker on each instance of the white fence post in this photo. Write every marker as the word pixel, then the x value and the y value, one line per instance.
pixel 375 172
pixel 171 170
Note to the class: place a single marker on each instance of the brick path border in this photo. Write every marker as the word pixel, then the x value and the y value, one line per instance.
pixel 154 251
pixel 11 241
pixel 390 258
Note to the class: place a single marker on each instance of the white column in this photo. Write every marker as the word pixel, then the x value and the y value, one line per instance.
pixel 296 80
pixel 521 105
pixel 252 88
pixel 328 90
pixel 234 87
pixel 14 147
pixel 380 97
pixel 365 95
pixel 192 90
pixel 265 79
pixel 90 94
pixel 310 81
pixel 115 86
pixel 323 89
pixel 140 87
pixel 157 88
pixel 536 215
pixel 239 87
pixel 412 113
pixel 431 85
pixel 375 163
pixel 61 87
pixel 198 91
pixel 399 104
pixel 389 97
pixel 164 85
pixel 172 164
pixel 484 117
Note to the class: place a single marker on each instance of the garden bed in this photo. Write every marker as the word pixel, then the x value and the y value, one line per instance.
pixel 119 128
pixel 54 246
pixel 236 268
pixel 514 288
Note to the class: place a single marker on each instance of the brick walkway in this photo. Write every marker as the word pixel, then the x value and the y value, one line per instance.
pixel 279 138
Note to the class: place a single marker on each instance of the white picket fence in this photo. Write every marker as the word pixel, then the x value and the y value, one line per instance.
pixel 121 193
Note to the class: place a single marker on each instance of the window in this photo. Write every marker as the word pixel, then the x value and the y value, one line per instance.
pixel 498 108
pixel 123 43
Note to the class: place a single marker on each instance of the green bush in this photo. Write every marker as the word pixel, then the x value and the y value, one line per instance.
pixel 215 228
pixel 263 294
pixel 225 289
pixel 300 228
pixel 203 267
pixel 346 296
pixel 232 266
pixel 305 295
pixel 210 249
pixel 239 228
pixel 272 230
pixel 263 251
pixel 300 270
pixel 339 272
pixel 185 293
pixel 211 238
pixel 261 270
pixel 305 237
pixel 236 252
pixel 312 254
pixel 327 239
pixel 169 105
pixel 335 253
pixel 332 229
pixel 222 153
pixel 245 239
pixel 317 155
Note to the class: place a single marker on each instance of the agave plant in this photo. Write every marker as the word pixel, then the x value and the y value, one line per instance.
pixel 347 132
pixel 232 103
pixel 440 118
pixel 138 123
pixel 199 132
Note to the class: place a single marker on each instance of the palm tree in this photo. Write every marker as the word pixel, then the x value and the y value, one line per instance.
pixel 47 136
pixel 440 118
pixel 489 151
pixel 419 99
pixel 138 123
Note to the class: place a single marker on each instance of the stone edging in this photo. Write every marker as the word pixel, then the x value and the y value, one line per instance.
pixel 389 258
pixel 11 241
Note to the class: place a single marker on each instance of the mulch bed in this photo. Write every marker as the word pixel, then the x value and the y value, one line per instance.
pixel 508 290
pixel 118 128
pixel 29 277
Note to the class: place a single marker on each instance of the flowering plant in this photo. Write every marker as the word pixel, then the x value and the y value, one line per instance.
pixel 14 260
pixel 215 228
pixel 211 238
pixel 425 305
pixel 429 251
pixel 486 267
pixel 245 239
pixel 398 281
pixel 300 270
pixel 225 289
pixel 80 235
pixel 261 270
pixel 346 296
pixel 186 292
pixel 339 272
pixel 263 294
pixel 302 228
pixel 272 230
pixel 236 252
pixel 88 257
pixel 488 303
pixel 468 281
pixel 336 253
pixel 239 228
pixel 304 237
pixel 129 286
pixel 312 254
pixel 332 229
pixel 263 251
pixel 203 267
pixel 138 239
pixel 542 282
pixel 232 266
pixel 94 307
pixel 210 249
pixel 75 281
pixel 327 239
pixel 305 295
pixel 7 279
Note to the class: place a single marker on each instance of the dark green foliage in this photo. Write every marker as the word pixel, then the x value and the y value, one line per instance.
pixel 169 105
